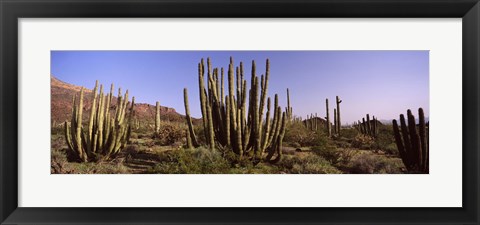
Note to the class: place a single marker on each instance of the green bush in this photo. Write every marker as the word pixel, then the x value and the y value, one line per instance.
pixel 336 156
pixel 192 161
pixel 311 164
pixel 60 165
pixel 385 140
pixel 349 133
pixel 390 149
pixel 296 133
pixel 329 153
pixel 363 142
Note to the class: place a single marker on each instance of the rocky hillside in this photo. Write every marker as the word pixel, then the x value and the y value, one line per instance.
pixel 61 104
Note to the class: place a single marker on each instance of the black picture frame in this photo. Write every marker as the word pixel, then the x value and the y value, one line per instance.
pixel 11 11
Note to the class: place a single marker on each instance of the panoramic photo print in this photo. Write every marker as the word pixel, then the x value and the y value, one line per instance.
pixel 239 112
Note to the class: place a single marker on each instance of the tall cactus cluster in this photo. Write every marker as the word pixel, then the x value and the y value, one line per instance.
pixel 367 127
pixel 226 121
pixel 106 133
pixel 312 122
pixel 413 142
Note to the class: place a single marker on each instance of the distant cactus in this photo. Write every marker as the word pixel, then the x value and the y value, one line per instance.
pixel 226 122
pixel 157 118
pixel 412 142
pixel 335 121
pixel 368 127
pixel 338 121
pixel 106 134
pixel 289 109
pixel 329 125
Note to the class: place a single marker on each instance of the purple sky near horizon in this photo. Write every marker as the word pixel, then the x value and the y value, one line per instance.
pixel 381 83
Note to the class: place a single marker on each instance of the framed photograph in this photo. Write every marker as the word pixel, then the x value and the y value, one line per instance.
pixel 254 112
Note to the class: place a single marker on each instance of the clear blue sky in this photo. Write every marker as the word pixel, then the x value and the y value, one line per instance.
pixel 382 83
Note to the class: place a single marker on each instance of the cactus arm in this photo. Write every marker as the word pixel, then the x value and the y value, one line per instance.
pixel 211 134
pixel 423 137
pixel 203 97
pixel 68 136
pixel 227 120
pixel 267 128
pixel 191 132
pixel 90 137
pixel 78 127
pixel 339 123
pixel 412 130
pixel 399 142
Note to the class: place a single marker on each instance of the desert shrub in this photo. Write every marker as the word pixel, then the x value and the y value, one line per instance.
pixel 297 133
pixel 368 164
pixel 391 149
pixel 311 164
pixel 133 135
pixel 250 168
pixel 385 140
pixel 336 156
pixel 294 145
pixel 192 161
pixel 349 133
pixel 346 155
pixel 169 134
pixel 329 153
pixel 60 165
pixel 200 133
pixel 57 130
pixel 144 130
pixel 363 142
pixel 343 143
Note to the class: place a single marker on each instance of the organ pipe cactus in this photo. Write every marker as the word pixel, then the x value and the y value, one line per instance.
pixel 226 121
pixel 107 134
pixel 412 142
pixel 191 137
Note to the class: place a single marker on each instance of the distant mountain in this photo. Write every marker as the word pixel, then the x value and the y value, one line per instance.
pixel 61 104
pixel 389 122
pixel 386 122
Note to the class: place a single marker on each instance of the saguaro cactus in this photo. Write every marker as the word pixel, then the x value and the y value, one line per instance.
pixel 338 122
pixel 289 109
pixel 329 125
pixel 335 121
pixel 412 142
pixel 106 134
pixel 226 122
pixel 157 118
